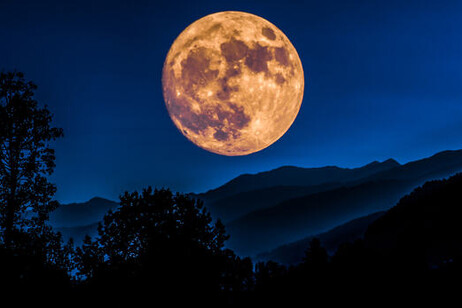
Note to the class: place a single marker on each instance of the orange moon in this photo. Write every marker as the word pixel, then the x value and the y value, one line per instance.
pixel 232 83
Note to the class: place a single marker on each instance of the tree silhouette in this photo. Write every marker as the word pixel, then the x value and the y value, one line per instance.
pixel 152 217
pixel 267 273
pixel 315 256
pixel 26 159
pixel 164 242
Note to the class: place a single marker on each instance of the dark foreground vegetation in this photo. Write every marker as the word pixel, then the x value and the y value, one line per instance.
pixel 159 247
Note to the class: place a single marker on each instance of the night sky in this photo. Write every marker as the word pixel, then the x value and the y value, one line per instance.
pixel 383 80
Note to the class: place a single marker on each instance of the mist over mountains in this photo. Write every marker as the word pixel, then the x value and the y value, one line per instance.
pixel 295 176
pixel 248 193
pixel 75 220
pixel 333 196
pixel 293 253
pixel 266 210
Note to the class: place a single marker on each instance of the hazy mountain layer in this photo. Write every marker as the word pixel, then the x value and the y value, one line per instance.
pixel 294 219
pixel 273 208
pixel 293 253
pixel 81 214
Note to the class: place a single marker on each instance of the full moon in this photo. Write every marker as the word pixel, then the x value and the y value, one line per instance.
pixel 232 83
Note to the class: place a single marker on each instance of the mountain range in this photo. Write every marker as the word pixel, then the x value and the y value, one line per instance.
pixel 424 226
pixel 75 220
pixel 266 210
pixel 248 193
pixel 293 253
pixel 325 198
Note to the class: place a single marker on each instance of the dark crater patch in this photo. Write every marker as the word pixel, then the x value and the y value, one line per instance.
pixel 232 71
pixel 257 58
pixel 225 90
pixel 269 33
pixel 280 79
pixel 281 55
pixel 195 70
pixel 223 94
pixel 179 108
pixel 238 119
pixel 213 28
pixel 214 117
pixel 234 50
pixel 221 135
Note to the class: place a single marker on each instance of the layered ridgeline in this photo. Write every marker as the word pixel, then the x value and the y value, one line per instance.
pixel 266 210
pixel 425 226
pixel 76 220
pixel 293 253
pixel 270 209
pixel 248 193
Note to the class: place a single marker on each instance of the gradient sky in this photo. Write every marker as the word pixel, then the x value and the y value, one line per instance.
pixel 383 80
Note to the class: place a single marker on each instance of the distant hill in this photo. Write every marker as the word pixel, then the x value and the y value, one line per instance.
pixel 240 204
pixel 440 165
pixel 413 252
pixel 298 218
pixel 78 233
pixel 293 253
pixel 273 208
pixel 425 223
pixel 428 217
pixel 295 218
pixel 76 220
pixel 295 176
pixel 81 214
pixel 267 189
pixel 251 192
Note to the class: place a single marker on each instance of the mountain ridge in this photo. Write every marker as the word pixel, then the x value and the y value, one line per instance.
pixel 294 219
pixel 81 214
pixel 267 228
pixel 300 176
pixel 253 213
pixel 293 253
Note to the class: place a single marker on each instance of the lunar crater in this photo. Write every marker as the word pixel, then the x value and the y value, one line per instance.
pixel 269 33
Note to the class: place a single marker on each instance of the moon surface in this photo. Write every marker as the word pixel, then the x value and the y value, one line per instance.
pixel 232 83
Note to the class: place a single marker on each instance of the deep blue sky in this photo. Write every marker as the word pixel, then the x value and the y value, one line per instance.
pixel 383 79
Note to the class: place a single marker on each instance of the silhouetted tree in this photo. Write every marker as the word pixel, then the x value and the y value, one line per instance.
pixel 27 270
pixel 166 243
pixel 88 257
pixel 32 257
pixel 237 277
pixel 268 272
pixel 26 159
pixel 154 217
pixel 315 256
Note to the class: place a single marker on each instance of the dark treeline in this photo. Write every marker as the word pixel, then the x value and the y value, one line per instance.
pixel 160 247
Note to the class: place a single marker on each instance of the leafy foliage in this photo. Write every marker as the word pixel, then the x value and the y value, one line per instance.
pixel 32 255
pixel 163 241
pixel 26 158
